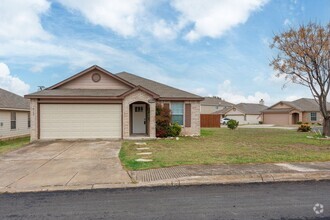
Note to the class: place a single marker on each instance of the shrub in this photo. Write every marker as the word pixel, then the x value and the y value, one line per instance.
pixel 299 123
pixel 304 127
pixel 232 124
pixel 261 122
pixel 163 120
pixel 174 130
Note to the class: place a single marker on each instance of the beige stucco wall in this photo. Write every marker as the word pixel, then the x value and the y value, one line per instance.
pixel 21 124
pixel 139 96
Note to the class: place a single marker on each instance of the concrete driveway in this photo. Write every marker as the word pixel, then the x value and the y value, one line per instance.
pixel 79 164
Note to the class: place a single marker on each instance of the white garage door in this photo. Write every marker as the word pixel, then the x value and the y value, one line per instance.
pixel 60 121
pixel 239 118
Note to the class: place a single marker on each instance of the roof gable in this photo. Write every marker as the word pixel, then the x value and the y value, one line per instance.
pixel 85 80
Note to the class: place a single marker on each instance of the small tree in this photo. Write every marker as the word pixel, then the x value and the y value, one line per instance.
pixel 304 58
pixel 163 121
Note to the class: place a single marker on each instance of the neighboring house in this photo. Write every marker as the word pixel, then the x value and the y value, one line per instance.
pixel 14 115
pixel 245 113
pixel 290 113
pixel 98 104
pixel 213 104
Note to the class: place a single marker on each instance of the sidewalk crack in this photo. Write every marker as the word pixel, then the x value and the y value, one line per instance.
pixel 71 178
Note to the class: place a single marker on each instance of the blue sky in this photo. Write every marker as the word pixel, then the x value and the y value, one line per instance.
pixel 208 47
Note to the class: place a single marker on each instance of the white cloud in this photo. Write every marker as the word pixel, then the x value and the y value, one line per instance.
pixel 12 83
pixel 118 15
pixel 162 30
pixel 231 94
pixel 200 91
pixel 212 18
pixel 20 19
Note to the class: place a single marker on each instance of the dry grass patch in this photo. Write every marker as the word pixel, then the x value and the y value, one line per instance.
pixel 13 144
pixel 215 146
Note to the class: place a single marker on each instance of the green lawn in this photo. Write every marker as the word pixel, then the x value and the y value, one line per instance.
pixel 9 145
pixel 218 146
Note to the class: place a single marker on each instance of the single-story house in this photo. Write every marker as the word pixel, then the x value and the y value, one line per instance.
pixel 98 104
pixel 212 104
pixel 244 113
pixel 290 113
pixel 14 115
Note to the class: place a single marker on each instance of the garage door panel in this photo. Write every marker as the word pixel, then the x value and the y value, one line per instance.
pixel 80 121
pixel 277 119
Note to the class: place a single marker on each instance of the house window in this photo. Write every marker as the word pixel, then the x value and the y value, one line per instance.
pixel 29 120
pixel 177 112
pixel 13 120
pixel 313 116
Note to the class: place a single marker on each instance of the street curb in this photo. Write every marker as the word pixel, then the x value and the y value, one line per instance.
pixel 186 181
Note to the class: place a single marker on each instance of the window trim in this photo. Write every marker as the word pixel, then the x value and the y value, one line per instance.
pixel 312 116
pixel 13 121
pixel 183 115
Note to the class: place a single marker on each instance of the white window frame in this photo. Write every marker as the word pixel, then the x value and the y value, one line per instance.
pixel 183 111
pixel 312 116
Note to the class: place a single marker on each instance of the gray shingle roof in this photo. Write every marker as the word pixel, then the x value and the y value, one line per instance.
pixel 12 101
pixel 162 90
pixel 251 108
pixel 215 101
pixel 81 92
pixel 222 111
pixel 246 108
pixel 303 104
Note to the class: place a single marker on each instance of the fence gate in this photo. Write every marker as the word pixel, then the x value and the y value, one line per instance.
pixel 210 120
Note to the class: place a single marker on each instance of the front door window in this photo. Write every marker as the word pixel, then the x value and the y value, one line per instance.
pixel 139 118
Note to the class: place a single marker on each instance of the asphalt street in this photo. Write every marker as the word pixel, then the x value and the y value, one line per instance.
pixel 294 200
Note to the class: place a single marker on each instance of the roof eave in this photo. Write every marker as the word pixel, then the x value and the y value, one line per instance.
pixel 15 109
pixel 181 99
pixel 72 97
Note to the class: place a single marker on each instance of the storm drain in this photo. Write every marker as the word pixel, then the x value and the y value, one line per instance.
pixel 160 174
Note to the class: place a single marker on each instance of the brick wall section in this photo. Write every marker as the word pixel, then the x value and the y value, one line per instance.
pixel 136 97
pixel 194 129
pixel 195 120
pixel 34 119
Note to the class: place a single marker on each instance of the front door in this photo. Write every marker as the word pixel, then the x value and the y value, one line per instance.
pixel 139 118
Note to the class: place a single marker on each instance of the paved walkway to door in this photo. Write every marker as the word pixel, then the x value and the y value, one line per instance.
pixel 79 164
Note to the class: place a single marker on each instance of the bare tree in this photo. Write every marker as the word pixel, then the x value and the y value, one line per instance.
pixel 304 58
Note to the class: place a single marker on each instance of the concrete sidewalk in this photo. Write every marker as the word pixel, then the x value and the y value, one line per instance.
pixel 224 174
pixel 203 174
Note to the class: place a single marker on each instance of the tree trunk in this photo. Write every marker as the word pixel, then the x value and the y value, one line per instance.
pixel 326 126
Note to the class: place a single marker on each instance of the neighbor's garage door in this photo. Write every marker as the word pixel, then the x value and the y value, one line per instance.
pixel 239 118
pixel 80 121
pixel 277 119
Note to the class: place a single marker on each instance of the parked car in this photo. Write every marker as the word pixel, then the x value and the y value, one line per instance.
pixel 224 121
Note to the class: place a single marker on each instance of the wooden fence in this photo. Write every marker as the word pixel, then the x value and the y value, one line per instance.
pixel 210 120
